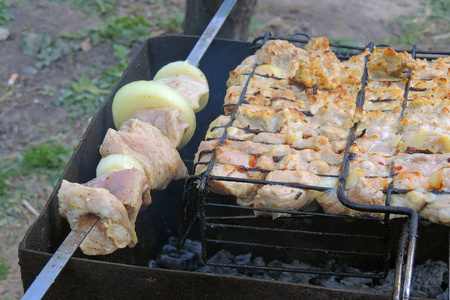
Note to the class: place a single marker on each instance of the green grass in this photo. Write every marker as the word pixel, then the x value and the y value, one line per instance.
pixel 91 7
pixel 83 97
pixel 423 27
pixel 46 49
pixel 255 27
pixel 4 271
pixel 43 162
pixel 172 22
pixel 5 16
pixel 121 30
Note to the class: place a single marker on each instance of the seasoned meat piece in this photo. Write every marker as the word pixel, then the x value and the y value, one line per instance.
pixel 114 230
pixel 262 118
pixel 351 72
pixel 283 197
pixel 331 205
pixel 410 181
pixel 269 82
pixel 365 192
pixel 128 186
pixel 333 133
pixel 440 180
pixel 437 208
pixel 426 113
pixel 404 163
pixel 383 98
pixel 280 198
pixel 282 54
pixel 257 88
pixel 245 67
pixel 169 120
pixel 414 200
pixel 433 207
pixel 435 84
pixel 339 97
pixel 333 115
pixel 431 69
pixel 270 138
pixel 318 70
pixel 373 164
pixel 238 189
pixel 190 87
pixel 386 63
pixel 140 140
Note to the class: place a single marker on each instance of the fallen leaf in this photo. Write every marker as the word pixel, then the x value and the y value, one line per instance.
pixel 86 45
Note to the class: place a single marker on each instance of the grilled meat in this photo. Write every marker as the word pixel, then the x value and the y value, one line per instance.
pixel 148 141
pixel 304 105
pixel 169 120
pixel 116 198
pixel 161 162
pixel 190 87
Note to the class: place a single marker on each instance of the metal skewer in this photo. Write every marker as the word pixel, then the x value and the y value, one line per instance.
pixel 50 272
pixel 54 266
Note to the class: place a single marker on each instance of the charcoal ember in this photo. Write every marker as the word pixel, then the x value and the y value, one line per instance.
pixel 173 241
pixel 194 247
pixel 301 277
pixel 277 264
pixel 168 248
pixel 153 264
pixel 443 296
pixel 207 269
pixel 223 257
pixel 244 259
pixel 327 281
pixel 428 279
pixel 286 277
pixel 176 259
pixel 257 262
pixel 386 284
pixel 357 283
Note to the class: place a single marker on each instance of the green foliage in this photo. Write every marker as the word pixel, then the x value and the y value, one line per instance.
pixel 123 30
pixel 84 96
pixel 3 269
pixel 433 19
pixel 44 161
pixel 255 27
pixel 45 49
pixel 5 16
pixel 172 22
pixel 50 155
pixel 91 7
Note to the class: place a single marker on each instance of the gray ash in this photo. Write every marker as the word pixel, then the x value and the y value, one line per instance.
pixel 430 280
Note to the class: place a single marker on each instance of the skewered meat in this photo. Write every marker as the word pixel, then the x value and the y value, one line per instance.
pixel 161 162
pixel 146 145
pixel 116 198
pixel 192 89
pixel 169 120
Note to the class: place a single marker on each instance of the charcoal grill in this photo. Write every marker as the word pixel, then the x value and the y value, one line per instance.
pixel 366 243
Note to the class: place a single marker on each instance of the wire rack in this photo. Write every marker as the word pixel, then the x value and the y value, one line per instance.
pixel 363 245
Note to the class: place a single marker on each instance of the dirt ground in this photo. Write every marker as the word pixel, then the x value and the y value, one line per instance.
pixel 22 109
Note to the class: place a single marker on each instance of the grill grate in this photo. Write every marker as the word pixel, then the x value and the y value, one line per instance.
pixel 357 246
